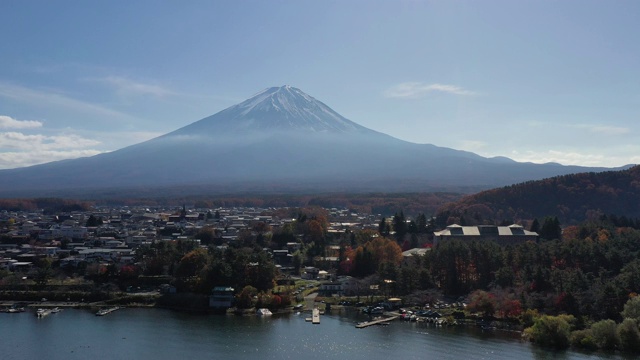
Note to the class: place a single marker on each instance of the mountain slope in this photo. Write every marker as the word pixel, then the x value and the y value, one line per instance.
pixel 571 198
pixel 283 139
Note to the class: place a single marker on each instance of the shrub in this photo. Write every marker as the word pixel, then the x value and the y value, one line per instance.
pixel 583 339
pixel 529 317
pixel 632 309
pixel 551 331
pixel 605 334
pixel 629 335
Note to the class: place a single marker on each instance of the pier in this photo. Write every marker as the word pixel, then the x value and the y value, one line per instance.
pixel 375 322
pixel 103 312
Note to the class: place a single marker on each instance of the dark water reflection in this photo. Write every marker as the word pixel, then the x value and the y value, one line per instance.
pixel 162 334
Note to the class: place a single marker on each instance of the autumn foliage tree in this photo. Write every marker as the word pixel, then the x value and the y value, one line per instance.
pixel 510 308
pixel 192 263
pixel 483 302
pixel 244 299
pixel 366 259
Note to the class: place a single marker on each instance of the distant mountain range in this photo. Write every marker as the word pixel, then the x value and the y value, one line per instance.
pixel 280 140
pixel 572 198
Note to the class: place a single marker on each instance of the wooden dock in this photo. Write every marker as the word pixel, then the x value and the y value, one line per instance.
pixel 103 312
pixel 315 316
pixel 375 322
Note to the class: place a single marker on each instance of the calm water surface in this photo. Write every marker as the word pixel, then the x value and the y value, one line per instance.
pixel 163 334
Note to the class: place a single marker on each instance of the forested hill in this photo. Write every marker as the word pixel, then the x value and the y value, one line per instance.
pixel 572 198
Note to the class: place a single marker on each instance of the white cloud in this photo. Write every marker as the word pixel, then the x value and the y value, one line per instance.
pixel 18 149
pixel 17 140
pixel 567 158
pixel 607 130
pixel 10 160
pixel 473 145
pixel 7 122
pixel 119 139
pixel 414 90
pixel 125 86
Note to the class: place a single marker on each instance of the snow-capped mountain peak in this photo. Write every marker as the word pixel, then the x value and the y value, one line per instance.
pixel 283 108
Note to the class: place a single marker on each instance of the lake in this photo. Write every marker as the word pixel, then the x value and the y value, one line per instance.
pixel 164 334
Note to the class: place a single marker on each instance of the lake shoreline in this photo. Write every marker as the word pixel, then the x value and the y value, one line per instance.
pixel 135 332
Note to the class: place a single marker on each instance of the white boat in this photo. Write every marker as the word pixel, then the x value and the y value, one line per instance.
pixel 13 310
pixel 377 311
pixel 264 312
pixel 43 312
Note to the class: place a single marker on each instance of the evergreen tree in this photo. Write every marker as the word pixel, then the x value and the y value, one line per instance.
pixel 383 227
pixel 551 229
pixel 414 241
pixel 413 227
pixel 535 226
pixel 421 223
pixel 399 225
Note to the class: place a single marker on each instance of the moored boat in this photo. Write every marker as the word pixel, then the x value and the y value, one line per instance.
pixel 43 312
pixel 264 312
pixel 13 310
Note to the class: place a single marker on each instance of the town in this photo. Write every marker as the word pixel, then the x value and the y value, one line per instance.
pixel 80 247
pixel 111 236
pixel 37 248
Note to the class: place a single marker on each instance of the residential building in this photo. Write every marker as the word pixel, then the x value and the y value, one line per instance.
pixel 221 297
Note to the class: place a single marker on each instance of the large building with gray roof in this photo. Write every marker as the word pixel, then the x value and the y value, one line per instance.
pixel 503 235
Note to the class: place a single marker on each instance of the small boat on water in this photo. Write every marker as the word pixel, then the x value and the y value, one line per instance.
pixel 43 312
pixel 13 310
pixel 103 312
pixel 56 310
pixel 264 312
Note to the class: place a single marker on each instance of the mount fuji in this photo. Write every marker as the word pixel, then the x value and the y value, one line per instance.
pixel 281 140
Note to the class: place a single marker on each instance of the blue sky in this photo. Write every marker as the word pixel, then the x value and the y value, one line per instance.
pixel 534 81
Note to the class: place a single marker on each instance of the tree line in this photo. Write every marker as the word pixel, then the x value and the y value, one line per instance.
pixel 572 198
